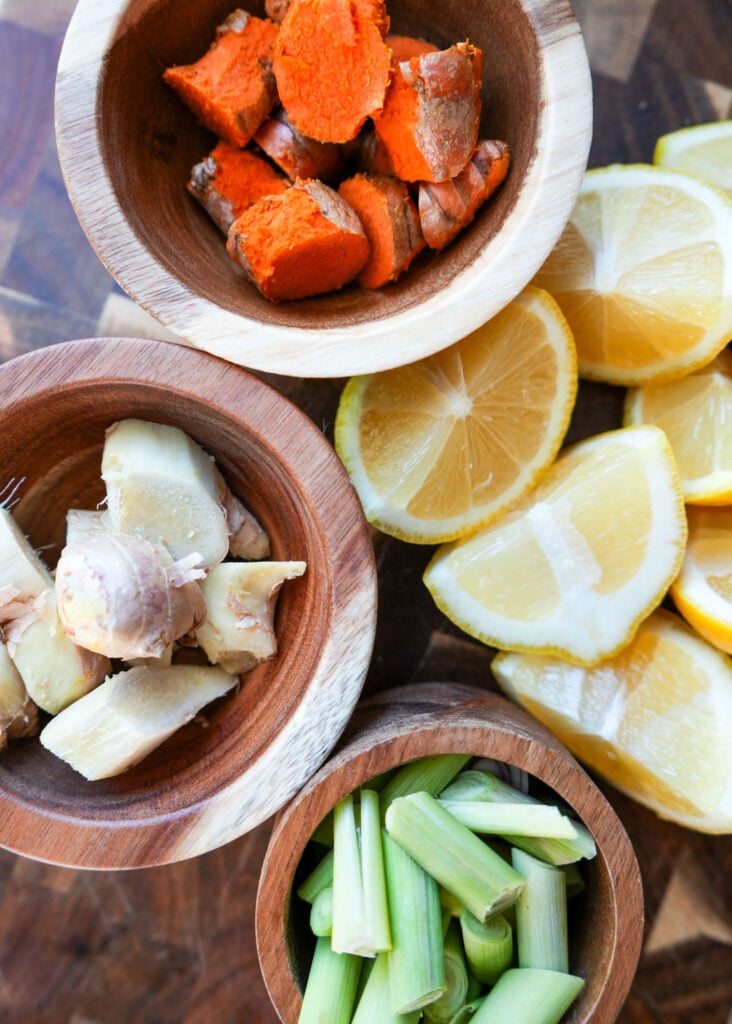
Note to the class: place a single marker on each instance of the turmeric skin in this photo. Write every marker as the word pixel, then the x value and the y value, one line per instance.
pixel 429 122
pixel 391 222
pixel 332 65
pixel 303 242
pixel 231 89
pixel 446 207
pixel 229 180
pixel 296 154
pixel 276 9
pixel 369 153
pixel 403 48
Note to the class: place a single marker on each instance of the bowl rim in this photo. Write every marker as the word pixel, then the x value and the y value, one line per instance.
pixel 507 262
pixel 206 819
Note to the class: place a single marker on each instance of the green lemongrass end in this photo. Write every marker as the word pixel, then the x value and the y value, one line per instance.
pixel 330 992
pixel 427 775
pixel 575 883
pixel 321 877
pixel 416 960
pixel 448 902
pixel 374 1006
pixel 321 913
pixel 443 1009
pixel 350 931
pixel 488 946
pixel 465 1013
pixel 376 908
pixel 529 995
pixel 541 915
pixel 519 819
pixel 475 875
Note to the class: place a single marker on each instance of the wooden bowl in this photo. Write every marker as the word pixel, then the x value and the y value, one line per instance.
pixel 127 145
pixel 246 755
pixel 440 718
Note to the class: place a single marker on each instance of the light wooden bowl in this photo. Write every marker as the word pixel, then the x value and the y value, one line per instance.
pixel 249 753
pixel 439 718
pixel 127 145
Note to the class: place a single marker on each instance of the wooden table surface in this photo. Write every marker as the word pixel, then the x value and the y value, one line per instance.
pixel 175 945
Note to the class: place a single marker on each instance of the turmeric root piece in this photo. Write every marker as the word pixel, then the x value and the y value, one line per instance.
pixel 303 242
pixel 296 154
pixel 231 89
pixel 370 155
pixel 18 713
pixel 404 48
pixel 391 222
pixel 445 207
pixel 332 65
pixel 429 122
pixel 229 180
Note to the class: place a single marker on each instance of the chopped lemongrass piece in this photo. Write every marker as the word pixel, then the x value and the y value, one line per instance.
pixel 488 946
pixel 509 773
pixel 541 915
pixel 520 819
pixel 321 913
pixel 529 995
pixel 453 855
pixel 350 933
pixel 573 879
pixel 321 877
pixel 443 1009
pixel 466 1012
pixel 449 904
pixel 482 786
pixel 374 1006
pixel 330 992
pixel 323 834
pixel 416 959
pixel 426 775
pixel 376 907
pixel 475 987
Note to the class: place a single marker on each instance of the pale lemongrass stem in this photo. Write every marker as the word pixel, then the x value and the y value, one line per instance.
pixel 374 1006
pixel 488 946
pixel 536 820
pixel 349 933
pixel 465 1013
pixel 541 915
pixel 449 904
pixel 529 995
pixel 426 775
pixel 321 877
pixel 330 992
pixel 444 1008
pixel 323 834
pixel 574 881
pixel 376 908
pixel 321 913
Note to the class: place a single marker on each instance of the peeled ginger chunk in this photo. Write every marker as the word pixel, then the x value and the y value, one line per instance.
pixel 20 568
pixel 18 713
pixel 130 714
pixel 241 598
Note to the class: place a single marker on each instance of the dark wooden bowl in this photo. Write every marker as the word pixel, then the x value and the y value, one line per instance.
pixel 439 718
pixel 127 145
pixel 248 754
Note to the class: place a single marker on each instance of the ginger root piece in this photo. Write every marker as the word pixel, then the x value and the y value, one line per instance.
pixel 231 89
pixel 403 48
pixel 20 565
pixel 296 154
pixel 445 207
pixel 131 714
pixel 391 222
pixel 429 121
pixel 247 538
pixel 80 522
pixel 303 242
pixel 229 180
pixel 241 599
pixel 124 597
pixel 332 65
pixel 18 713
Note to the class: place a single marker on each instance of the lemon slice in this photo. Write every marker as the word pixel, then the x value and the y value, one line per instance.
pixel 443 445
pixel 702 591
pixel 704 150
pixel 643 273
pixel 696 415
pixel 655 720
pixel 581 561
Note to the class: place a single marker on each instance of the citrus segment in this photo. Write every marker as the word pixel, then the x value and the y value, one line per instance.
pixel 703 150
pixel 696 415
pixel 702 591
pixel 439 447
pixel 575 567
pixel 643 273
pixel 655 720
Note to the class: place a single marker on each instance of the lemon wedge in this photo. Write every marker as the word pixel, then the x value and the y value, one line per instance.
pixel 704 150
pixel 702 591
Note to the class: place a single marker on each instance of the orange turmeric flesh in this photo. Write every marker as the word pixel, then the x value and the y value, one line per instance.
pixel 332 65
pixel 405 47
pixel 295 153
pixel 303 242
pixel 229 180
pixel 391 222
pixel 231 89
pixel 429 122
pixel 446 207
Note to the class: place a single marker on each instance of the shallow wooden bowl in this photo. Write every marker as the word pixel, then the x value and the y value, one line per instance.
pixel 246 755
pixel 127 145
pixel 439 718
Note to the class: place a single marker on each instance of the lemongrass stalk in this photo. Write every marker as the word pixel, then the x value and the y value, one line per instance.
pixel 536 820
pixel 488 946
pixel 376 908
pixel 529 995
pixel 321 877
pixel 330 992
pixel 466 1012
pixel 323 834
pixel 443 1009
pixel 416 960
pixel 468 868
pixel 475 987
pixel 509 773
pixel 350 930
pixel 449 904
pixel 574 881
pixel 427 775
pixel 374 1006
pixel 321 913
pixel 541 915
pixel 477 785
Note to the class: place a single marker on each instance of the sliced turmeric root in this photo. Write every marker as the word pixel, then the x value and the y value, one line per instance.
pixel 303 242
pixel 231 89
pixel 429 121
pixel 298 155
pixel 229 180
pixel 445 207
pixel 391 222
pixel 332 65
pixel 405 47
